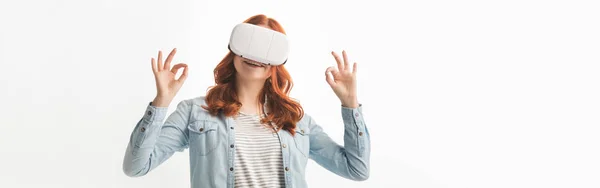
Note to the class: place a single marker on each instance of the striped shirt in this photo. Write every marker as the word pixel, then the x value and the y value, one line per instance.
pixel 258 160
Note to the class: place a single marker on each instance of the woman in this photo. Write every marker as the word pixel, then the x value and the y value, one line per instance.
pixel 247 131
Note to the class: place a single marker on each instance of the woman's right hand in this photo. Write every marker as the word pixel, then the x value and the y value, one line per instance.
pixel 166 84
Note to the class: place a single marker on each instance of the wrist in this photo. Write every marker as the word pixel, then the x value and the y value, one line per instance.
pixel 161 102
pixel 350 103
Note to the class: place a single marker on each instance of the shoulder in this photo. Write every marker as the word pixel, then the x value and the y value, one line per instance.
pixel 193 105
pixel 306 122
pixel 306 119
pixel 197 101
pixel 187 103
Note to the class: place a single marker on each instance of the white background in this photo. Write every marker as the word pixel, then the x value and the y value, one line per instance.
pixel 461 94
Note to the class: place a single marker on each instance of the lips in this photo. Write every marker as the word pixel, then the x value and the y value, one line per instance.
pixel 254 64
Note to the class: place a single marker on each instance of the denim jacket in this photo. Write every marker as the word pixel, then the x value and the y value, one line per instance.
pixel 211 141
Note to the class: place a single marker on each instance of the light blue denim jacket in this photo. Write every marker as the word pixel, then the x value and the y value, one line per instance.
pixel 211 145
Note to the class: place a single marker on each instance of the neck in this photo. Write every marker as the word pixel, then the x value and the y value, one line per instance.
pixel 248 92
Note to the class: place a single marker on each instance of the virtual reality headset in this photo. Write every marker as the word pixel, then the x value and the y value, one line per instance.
pixel 259 44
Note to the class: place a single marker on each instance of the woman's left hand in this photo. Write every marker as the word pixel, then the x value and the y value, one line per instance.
pixel 343 82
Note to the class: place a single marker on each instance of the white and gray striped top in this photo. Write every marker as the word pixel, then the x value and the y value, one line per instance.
pixel 258 161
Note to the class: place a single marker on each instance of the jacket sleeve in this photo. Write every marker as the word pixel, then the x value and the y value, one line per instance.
pixel 350 161
pixel 152 142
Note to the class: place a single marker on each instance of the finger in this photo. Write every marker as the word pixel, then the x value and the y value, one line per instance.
pixel 184 75
pixel 354 68
pixel 169 58
pixel 334 72
pixel 346 62
pixel 328 78
pixel 153 65
pixel 337 59
pixel 160 65
pixel 177 67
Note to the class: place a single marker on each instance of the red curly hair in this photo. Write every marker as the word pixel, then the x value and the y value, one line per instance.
pixel 222 97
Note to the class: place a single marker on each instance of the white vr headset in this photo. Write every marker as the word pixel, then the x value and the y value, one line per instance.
pixel 259 44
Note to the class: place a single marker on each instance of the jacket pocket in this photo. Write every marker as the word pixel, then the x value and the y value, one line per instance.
pixel 301 138
pixel 203 137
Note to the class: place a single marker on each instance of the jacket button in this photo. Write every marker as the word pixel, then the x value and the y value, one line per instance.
pixel 201 129
pixel 284 146
pixel 143 129
pixel 360 133
pixel 287 169
pixel 231 146
pixel 356 114
pixel 302 131
pixel 231 169
pixel 231 127
pixel 149 112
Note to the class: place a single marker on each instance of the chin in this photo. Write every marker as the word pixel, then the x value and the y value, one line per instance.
pixel 251 77
pixel 257 79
